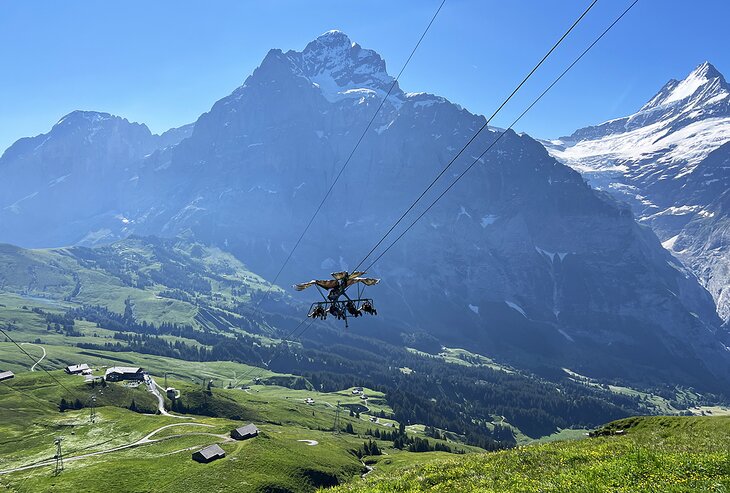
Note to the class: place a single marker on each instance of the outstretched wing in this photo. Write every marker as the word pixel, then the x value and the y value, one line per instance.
pixel 368 281
pixel 326 284
pixel 341 275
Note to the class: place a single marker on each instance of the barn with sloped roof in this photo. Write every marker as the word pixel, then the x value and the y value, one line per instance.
pixel 209 454
pixel 245 432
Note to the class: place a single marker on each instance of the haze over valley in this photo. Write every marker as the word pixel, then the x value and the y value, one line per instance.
pixel 563 284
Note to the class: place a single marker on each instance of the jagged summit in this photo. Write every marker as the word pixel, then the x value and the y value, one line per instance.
pixel 707 69
pixel 83 126
pixel 698 99
pixel 338 67
pixel 80 116
pixel 332 39
pixel 91 122
pixel 342 68
pixel 705 84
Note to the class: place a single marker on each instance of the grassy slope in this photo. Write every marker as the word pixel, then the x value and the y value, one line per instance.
pixel 276 458
pixel 276 461
pixel 667 454
pixel 66 277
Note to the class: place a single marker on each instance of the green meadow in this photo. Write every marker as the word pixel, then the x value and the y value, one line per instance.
pixel 145 451
pixel 644 454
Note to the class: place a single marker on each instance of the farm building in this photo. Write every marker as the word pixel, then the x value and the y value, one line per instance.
pixel 6 375
pixel 117 373
pixel 245 432
pixel 77 369
pixel 209 454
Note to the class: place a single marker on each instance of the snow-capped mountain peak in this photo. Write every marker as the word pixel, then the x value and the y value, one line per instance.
pixel 670 161
pixel 342 69
pixel 704 85
pixel 666 138
pixel 334 65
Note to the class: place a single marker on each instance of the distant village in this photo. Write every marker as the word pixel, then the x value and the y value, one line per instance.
pixel 137 376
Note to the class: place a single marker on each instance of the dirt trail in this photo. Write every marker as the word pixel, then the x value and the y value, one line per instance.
pixel 32 368
pixel 155 389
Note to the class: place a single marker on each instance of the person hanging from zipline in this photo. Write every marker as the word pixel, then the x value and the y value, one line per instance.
pixel 336 288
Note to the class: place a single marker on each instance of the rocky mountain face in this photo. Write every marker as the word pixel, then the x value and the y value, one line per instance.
pixel 670 162
pixel 522 260
pixel 63 187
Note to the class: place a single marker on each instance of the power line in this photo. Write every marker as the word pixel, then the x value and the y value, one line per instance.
pixel 26 394
pixel 349 157
pixel 34 361
pixel 486 123
pixel 58 456
pixel 456 180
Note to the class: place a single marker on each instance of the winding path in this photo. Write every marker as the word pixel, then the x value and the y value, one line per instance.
pixel 155 388
pixel 32 368
pixel 146 440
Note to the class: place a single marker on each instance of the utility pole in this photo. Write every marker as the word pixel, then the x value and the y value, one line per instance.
pixel 58 456
pixel 92 411
pixel 336 427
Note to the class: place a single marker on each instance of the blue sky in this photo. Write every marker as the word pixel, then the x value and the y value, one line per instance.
pixel 164 63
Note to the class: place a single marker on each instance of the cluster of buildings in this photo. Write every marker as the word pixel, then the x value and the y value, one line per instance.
pixel 113 374
pixel 359 391
pixel 129 373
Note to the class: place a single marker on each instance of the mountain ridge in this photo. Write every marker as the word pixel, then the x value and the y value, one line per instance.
pixel 666 161
pixel 528 261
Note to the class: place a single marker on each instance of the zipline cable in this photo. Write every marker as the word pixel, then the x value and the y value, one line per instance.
pixel 456 180
pixel 534 69
pixel 513 123
pixel 486 123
